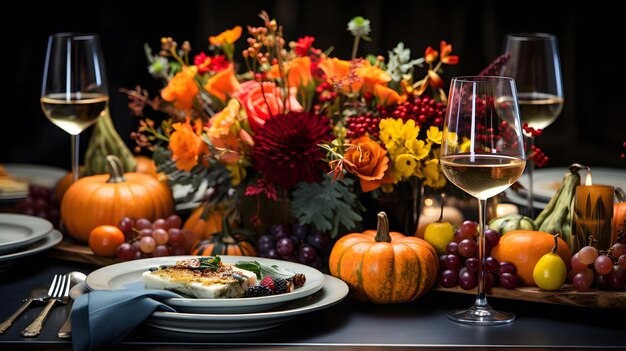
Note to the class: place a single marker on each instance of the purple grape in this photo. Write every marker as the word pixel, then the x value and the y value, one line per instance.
pixel 467 280
pixel 452 262
pixel 177 250
pixel 507 267
pixel 286 247
pixel 467 248
pixel 493 237
pixel 508 281
pixel 449 278
pixel 300 230
pixel 266 243
pixel 601 281
pixel 472 264
pixel 279 231
pixel 306 253
pixel 317 263
pixel 318 239
pixel 617 278
pixel 272 253
pixel 160 251
pixel 452 248
pixel 492 265
pixel 125 252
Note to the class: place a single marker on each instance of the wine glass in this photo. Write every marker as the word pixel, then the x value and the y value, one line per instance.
pixel 74 91
pixel 534 64
pixel 482 152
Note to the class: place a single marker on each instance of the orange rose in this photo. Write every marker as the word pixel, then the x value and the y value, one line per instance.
pixel 223 84
pixel 263 100
pixel 186 146
pixel 368 161
pixel 182 89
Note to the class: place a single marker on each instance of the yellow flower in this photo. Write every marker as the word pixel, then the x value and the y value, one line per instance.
pixel 237 172
pixel 465 146
pixel 405 165
pixel 391 133
pixel 434 135
pixel 418 148
pixel 410 131
pixel 432 173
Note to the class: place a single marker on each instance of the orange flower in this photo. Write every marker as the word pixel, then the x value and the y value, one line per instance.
pixel 186 146
pixel 446 50
pixel 368 160
pixel 430 55
pixel 435 79
pixel 223 84
pixel 298 72
pixel 264 100
pixel 182 89
pixel 387 96
pixel 338 73
pixel 228 36
pixel 223 132
pixel 372 76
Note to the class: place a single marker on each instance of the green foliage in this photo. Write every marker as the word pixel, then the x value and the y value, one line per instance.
pixel 326 205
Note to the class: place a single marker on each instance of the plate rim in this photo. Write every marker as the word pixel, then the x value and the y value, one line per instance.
pixel 96 280
pixel 52 238
pixel 38 226
pixel 10 167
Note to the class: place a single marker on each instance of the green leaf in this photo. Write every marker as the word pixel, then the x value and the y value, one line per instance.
pixel 262 270
pixel 210 262
pixel 325 203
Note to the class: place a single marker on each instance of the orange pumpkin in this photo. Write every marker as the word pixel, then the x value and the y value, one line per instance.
pixel 106 199
pixel 146 165
pixel 524 248
pixel 236 242
pixel 205 221
pixel 619 220
pixel 384 267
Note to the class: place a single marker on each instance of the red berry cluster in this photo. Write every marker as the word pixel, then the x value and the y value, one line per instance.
pixel 539 157
pixel 623 155
pixel 423 110
pixel 359 125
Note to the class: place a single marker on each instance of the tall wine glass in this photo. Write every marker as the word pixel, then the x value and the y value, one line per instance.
pixel 534 64
pixel 74 90
pixel 482 153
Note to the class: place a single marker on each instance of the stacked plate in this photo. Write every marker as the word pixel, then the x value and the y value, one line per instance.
pixel 22 236
pixel 548 180
pixel 234 315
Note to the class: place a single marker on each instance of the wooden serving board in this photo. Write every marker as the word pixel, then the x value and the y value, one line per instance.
pixel 71 250
pixel 567 295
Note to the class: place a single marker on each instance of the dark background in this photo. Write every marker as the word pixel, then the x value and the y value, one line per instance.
pixel 590 130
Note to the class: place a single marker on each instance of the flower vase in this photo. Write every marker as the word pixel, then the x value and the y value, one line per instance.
pixel 403 207
pixel 258 213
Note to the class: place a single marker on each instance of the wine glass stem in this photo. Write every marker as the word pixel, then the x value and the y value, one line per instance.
pixel 481 298
pixel 530 205
pixel 75 156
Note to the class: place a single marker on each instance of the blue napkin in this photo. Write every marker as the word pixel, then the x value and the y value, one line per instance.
pixel 102 318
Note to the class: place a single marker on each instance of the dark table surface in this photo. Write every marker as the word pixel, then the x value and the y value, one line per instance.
pixel 349 325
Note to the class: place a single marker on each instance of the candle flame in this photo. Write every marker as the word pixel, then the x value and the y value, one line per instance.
pixel 588 179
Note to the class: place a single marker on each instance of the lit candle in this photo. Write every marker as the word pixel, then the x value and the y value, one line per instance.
pixel 506 209
pixel 593 214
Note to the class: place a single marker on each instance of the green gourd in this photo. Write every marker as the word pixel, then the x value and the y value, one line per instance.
pixel 512 222
pixel 106 141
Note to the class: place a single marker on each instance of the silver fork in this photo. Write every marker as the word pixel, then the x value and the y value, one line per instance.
pixel 59 291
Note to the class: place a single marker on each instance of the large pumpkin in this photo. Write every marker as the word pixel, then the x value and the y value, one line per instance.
pixel 524 248
pixel 237 242
pixel 106 199
pixel 384 267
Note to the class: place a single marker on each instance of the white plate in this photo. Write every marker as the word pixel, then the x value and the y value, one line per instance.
pixel 334 291
pixel 17 231
pixel 548 180
pixel 35 174
pixel 51 239
pixel 520 200
pixel 127 275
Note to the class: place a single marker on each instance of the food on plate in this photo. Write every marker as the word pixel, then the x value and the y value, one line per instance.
pixel 11 185
pixel 202 277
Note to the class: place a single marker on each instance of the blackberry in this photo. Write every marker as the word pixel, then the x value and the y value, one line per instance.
pixel 257 291
pixel 283 286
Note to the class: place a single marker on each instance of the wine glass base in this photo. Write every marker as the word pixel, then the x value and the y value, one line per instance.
pixel 481 315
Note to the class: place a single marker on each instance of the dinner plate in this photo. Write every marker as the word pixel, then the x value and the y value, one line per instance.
pixel 333 291
pixel 35 174
pixel 520 200
pixel 128 275
pixel 52 238
pixel 17 231
pixel 548 180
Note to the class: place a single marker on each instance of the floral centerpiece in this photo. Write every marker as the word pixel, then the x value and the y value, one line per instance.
pixel 290 123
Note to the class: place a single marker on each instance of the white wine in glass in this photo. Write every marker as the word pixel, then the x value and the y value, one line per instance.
pixel 74 91
pixel 533 61
pixel 482 153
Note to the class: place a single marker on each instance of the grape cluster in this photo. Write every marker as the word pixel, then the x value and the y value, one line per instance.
pixel 603 270
pixel 296 243
pixel 163 237
pixel 39 202
pixel 459 266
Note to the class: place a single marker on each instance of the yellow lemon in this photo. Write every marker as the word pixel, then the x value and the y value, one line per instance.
pixel 439 234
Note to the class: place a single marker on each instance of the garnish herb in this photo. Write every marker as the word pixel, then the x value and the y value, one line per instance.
pixel 262 270
pixel 210 262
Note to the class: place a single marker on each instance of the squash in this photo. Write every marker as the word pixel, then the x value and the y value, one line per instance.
pixel 205 220
pixel 524 248
pixel 105 199
pixel 238 242
pixel 512 222
pixel 384 267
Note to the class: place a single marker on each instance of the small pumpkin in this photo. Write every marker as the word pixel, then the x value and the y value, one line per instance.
pixel 146 165
pixel 105 199
pixel 236 242
pixel 205 221
pixel 512 222
pixel 524 248
pixel 384 267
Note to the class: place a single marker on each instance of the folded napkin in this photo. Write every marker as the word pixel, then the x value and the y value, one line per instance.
pixel 102 318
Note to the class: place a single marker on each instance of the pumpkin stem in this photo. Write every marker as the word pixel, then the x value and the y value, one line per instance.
pixel 382 228
pixel 556 243
pixel 116 171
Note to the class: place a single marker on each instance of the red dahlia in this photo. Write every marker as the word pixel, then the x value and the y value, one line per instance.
pixel 286 149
